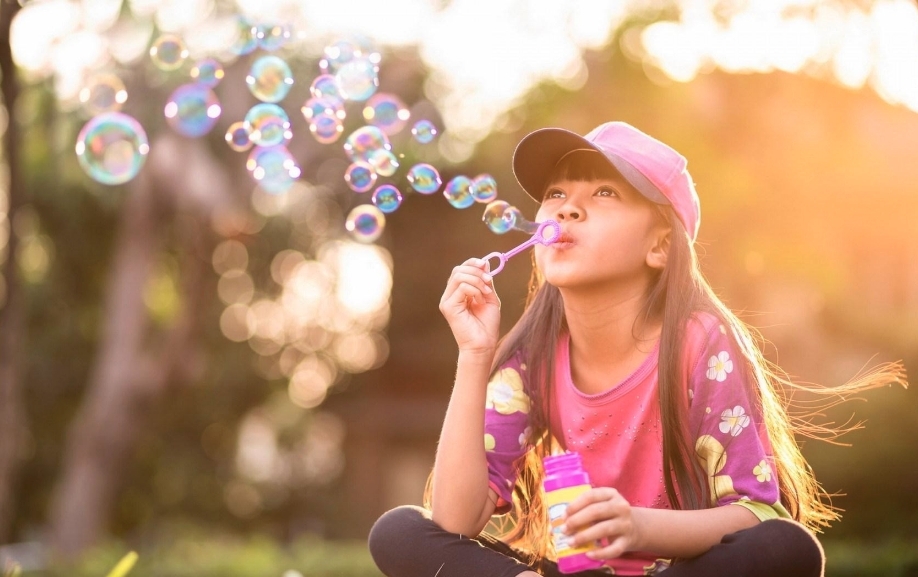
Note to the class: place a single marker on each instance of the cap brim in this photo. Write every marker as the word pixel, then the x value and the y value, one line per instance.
pixel 537 154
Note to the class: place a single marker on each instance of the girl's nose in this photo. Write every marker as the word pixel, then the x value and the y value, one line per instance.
pixel 568 212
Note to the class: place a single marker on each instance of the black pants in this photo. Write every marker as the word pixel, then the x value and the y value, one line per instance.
pixel 405 542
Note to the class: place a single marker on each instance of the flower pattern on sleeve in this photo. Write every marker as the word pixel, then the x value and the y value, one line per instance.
pixel 719 366
pixel 506 394
pixel 734 420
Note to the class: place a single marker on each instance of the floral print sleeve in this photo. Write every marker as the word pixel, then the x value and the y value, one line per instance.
pixel 730 439
pixel 506 429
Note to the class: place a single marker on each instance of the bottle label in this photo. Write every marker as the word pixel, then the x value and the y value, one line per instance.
pixel 557 502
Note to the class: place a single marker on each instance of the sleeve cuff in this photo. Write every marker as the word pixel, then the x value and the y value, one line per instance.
pixel 764 511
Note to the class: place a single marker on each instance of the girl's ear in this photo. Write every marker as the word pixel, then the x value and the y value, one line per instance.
pixel 659 250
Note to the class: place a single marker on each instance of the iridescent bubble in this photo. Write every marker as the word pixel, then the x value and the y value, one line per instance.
pixel 270 37
pixel 192 110
pixel 357 80
pixel 364 141
pixel 273 167
pixel 325 85
pixel 520 222
pixel 387 112
pixel 268 124
pixel 337 54
pixel 238 138
pixel 326 128
pixel 208 72
pixel 360 176
pixel 424 131
pixel 270 79
pixel 323 105
pixel 458 191
pixel 387 198
pixel 365 222
pixel 484 188
pixel 497 216
pixel 103 93
pixel 168 52
pixel 112 147
pixel 424 178
pixel 383 162
pixel 245 41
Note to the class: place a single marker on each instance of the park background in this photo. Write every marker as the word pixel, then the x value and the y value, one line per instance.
pixel 157 395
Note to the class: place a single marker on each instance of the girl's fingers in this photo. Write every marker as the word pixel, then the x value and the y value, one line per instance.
pixel 616 548
pixel 611 530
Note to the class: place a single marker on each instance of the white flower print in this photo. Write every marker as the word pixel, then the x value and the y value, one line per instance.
pixel 719 366
pixel 524 437
pixel 762 472
pixel 506 394
pixel 734 420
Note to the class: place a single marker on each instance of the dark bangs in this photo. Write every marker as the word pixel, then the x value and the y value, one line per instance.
pixel 580 166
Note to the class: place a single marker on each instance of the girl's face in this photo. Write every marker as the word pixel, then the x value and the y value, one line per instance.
pixel 610 233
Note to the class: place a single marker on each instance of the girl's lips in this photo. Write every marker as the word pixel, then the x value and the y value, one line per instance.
pixel 565 240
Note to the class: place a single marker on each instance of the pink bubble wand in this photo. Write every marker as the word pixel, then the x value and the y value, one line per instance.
pixel 547 232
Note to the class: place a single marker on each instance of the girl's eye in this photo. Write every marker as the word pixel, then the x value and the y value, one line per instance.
pixel 605 191
pixel 553 193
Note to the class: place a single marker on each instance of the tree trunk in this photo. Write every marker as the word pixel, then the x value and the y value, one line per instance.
pixel 13 424
pixel 129 378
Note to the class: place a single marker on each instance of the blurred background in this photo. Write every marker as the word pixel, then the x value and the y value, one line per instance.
pixel 204 366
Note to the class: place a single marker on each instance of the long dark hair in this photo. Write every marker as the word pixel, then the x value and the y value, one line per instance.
pixel 676 293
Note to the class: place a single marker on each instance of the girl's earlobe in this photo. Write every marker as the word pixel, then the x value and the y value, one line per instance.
pixel 656 257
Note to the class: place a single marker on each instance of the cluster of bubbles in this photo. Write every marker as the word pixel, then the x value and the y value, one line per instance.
pixel 112 147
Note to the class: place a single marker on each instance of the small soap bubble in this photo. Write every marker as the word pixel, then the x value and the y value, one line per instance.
pixel 387 112
pixel 245 41
pixel 273 167
pixel 357 80
pixel 269 79
pixel 168 52
pixel 326 128
pixel 103 93
pixel 365 222
pixel 458 191
pixel 519 221
pixel 268 124
pixel 337 54
pixel 364 141
pixel 192 110
pixel 484 188
pixel 424 178
pixel 323 105
pixel 497 216
pixel 208 72
pixel 424 131
pixel 112 147
pixel 325 85
pixel 360 176
pixel 383 162
pixel 387 198
pixel 270 37
pixel 237 136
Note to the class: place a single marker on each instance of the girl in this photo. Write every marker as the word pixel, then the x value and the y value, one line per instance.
pixel 625 355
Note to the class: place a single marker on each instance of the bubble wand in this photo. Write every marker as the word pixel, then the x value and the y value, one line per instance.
pixel 547 232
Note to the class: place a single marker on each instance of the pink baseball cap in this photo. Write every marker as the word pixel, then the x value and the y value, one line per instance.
pixel 653 168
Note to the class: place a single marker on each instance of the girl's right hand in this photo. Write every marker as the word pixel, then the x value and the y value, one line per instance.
pixel 471 307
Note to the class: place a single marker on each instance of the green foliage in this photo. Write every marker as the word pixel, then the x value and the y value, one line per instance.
pixel 856 558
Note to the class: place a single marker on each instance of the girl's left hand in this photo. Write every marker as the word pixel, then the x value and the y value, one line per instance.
pixel 603 516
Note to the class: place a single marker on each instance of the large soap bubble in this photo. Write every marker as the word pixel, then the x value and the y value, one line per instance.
pixel 112 147
pixel 192 110
pixel 269 79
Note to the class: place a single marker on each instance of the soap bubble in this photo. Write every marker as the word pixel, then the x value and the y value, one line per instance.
pixel 357 80
pixel 270 37
pixel 326 128
pixel 365 141
pixel 325 85
pixel 103 93
pixel 208 72
pixel 245 41
pixel 424 178
pixel 323 105
pixel 237 136
pixel 365 222
pixel 383 162
pixel 387 198
pixel 424 131
pixel 192 110
pixel 497 216
pixel 269 79
pixel 484 188
pixel 458 191
pixel 360 176
pixel 273 167
pixel 268 124
pixel 168 52
pixel 112 147
pixel 387 112
pixel 337 54
pixel 519 221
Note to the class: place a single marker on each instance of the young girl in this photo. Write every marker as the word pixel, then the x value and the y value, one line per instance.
pixel 626 356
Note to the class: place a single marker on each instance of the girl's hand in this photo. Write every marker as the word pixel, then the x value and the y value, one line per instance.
pixel 603 516
pixel 471 307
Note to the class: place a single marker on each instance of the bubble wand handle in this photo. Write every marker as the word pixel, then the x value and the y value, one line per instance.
pixel 548 232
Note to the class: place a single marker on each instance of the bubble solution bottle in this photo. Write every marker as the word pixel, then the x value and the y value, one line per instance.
pixel 564 481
